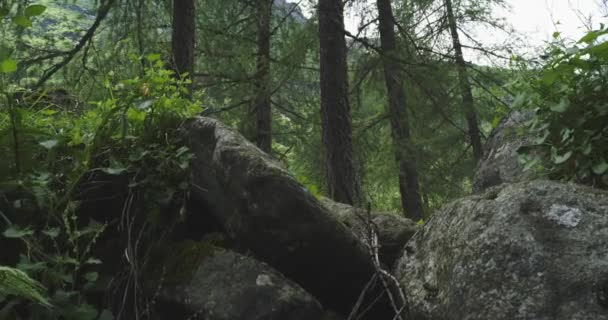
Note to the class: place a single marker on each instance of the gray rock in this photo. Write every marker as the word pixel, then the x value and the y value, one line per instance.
pixel 501 162
pixel 532 250
pixel 264 209
pixel 224 285
pixel 393 230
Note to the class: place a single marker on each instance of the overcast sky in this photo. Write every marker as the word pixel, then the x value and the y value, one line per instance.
pixel 536 20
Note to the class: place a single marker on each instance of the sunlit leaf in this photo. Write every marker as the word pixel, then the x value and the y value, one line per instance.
pixel 115 168
pixel 153 57
pixel 49 144
pixel 8 66
pixel 93 261
pixel 144 105
pixel 22 21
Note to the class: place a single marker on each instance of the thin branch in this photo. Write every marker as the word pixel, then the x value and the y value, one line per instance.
pixel 101 14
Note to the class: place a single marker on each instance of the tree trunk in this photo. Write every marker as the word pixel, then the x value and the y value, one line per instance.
pixel 405 154
pixel 342 181
pixel 465 86
pixel 182 41
pixel 262 108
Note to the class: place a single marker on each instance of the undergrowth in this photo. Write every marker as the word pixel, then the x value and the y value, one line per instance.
pixel 569 97
pixel 55 159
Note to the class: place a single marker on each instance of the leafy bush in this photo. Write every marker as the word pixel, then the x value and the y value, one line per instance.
pixel 52 152
pixel 570 96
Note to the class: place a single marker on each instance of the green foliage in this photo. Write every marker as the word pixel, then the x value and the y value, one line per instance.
pixel 16 282
pixel 54 151
pixel 569 95
pixel 20 19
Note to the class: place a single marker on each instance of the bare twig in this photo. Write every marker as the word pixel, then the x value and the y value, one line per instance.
pixel 390 283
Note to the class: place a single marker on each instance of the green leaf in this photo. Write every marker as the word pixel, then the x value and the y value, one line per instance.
pixel 530 163
pixel 49 144
pixel 144 105
pixel 4 12
pixel 182 150
pixel 91 276
pixel 15 232
pixel 561 107
pixel 600 168
pixel 591 36
pixel 22 21
pixel 561 159
pixel 115 168
pixel 8 66
pixel 556 35
pixel 52 233
pixel 152 57
pixel 600 49
pixel 34 10
pixel 18 283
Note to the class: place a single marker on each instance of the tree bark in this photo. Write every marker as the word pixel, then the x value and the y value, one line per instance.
pixel 182 41
pixel 262 107
pixel 342 181
pixel 405 154
pixel 465 86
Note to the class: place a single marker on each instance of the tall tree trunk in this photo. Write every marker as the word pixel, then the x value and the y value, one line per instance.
pixel 182 41
pixel 404 152
pixel 262 107
pixel 465 86
pixel 342 181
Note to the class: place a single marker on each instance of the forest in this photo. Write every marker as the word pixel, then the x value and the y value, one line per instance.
pixel 268 159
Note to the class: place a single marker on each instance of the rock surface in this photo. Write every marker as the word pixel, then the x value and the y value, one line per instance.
pixel 393 230
pixel 266 211
pixel 532 250
pixel 225 285
pixel 501 163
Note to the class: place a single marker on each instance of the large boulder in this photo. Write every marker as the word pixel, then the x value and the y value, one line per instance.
pixel 393 230
pixel 500 163
pixel 204 282
pixel 532 250
pixel 264 210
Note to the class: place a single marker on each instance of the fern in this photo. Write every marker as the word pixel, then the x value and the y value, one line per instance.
pixel 18 283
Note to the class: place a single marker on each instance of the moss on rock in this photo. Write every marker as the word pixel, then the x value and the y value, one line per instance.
pixel 176 263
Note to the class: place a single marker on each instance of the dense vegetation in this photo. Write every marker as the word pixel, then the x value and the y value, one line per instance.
pixel 90 94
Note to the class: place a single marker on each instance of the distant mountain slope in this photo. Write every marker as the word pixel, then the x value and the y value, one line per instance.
pixel 293 9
